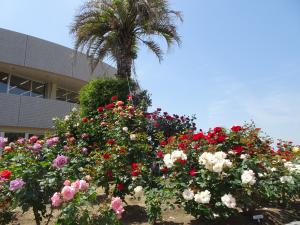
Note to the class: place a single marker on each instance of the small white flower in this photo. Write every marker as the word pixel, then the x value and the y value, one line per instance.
pixel 203 197
pixel 244 156
pixel 168 161
pixel 188 194
pixel 132 137
pixel 178 154
pixel 67 117
pixel 229 201
pixel 74 109
pixel 231 152
pixel 273 169
pixel 138 191
pixel 287 179
pixel 260 175
pixel 248 177
pixel 125 129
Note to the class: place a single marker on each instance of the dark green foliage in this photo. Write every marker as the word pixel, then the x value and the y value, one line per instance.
pixel 99 92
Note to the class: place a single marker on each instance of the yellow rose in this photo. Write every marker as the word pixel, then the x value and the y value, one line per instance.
pixel 296 149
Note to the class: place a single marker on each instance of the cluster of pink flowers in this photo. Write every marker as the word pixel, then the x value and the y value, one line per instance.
pixel 116 205
pixel 68 192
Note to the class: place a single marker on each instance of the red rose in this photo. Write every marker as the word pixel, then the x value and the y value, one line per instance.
pixel 135 173
pixel 193 172
pixel 134 166
pixel 111 142
pixel 238 149
pixel 163 143
pixel 100 109
pixel 129 97
pixel 106 156
pixel 181 146
pixel 120 186
pixel 217 129
pixel 183 137
pixel 159 154
pixel 110 106
pixel 85 120
pixel 5 174
pixel 114 98
pixel 236 128
pixel 198 136
pixel 221 138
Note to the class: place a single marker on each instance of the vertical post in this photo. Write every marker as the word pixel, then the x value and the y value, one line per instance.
pixel 52 91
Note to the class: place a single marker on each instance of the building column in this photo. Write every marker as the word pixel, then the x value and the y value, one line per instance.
pixel 52 90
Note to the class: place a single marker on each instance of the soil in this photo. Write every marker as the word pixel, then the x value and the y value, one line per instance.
pixel 135 214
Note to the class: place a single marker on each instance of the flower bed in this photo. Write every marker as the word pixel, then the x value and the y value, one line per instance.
pixel 126 151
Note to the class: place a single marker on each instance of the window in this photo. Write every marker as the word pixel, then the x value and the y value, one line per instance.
pixel 25 87
pixel 14 136
pixel 3 82
pixel 67 96
pixel 38 89
pixel 19 86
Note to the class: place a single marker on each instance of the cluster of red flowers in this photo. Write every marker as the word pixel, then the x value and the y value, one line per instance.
pixel 135 170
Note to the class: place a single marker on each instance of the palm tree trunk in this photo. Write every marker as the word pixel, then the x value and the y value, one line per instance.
pixel 124 64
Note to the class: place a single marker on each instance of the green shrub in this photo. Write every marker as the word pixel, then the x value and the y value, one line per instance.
pixel 98 92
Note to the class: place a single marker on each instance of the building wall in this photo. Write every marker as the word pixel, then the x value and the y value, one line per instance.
pixel 31 52
pixel 23 111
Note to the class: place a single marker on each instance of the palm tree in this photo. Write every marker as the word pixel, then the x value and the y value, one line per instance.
pixel 115 29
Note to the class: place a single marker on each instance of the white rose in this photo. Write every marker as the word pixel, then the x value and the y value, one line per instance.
pixel 168 161
pixel 287 179
pixel 178 154
pixel 248 177
pixel 138 191
pixel 220 155
pixel 125 129
pixel 217 168
pixel 132 137
pixel 229 201
pixel 203 197
pixel 188 194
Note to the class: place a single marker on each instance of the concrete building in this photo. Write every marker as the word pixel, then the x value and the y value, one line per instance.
pixel 39 80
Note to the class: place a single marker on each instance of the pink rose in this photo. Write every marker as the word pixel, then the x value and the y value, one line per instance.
pixel 67 183
pixel 68 193
pixel 76 185
pixel 83 185
pixel 116 205
pixel 60 161
pixel 56 200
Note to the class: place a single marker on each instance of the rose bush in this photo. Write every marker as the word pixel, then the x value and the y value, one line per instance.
pixel 158 156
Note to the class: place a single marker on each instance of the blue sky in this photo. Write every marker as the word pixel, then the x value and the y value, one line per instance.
pixel 239 61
